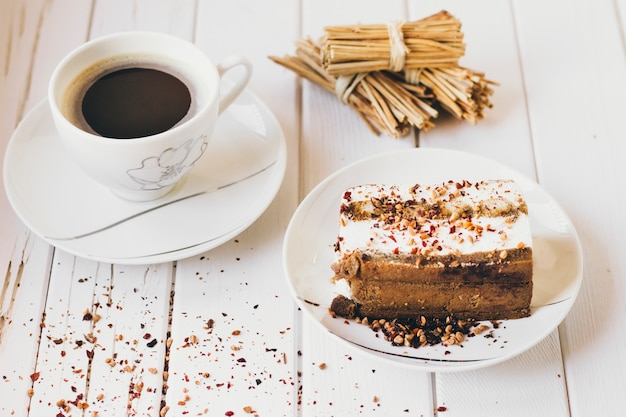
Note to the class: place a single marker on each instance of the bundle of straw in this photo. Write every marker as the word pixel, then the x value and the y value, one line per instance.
pixel 389 97
pixel 435 41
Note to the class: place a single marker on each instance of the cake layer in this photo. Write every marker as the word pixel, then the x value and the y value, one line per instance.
pixel 454 299
pixel 481 287
pixel 451 218
pixel 501 304
pixel 512 266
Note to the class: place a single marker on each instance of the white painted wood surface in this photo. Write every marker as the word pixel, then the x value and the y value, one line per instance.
pixel 124 340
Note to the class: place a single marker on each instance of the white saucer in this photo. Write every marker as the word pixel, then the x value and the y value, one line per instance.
pixel 231 187
pixel 557 258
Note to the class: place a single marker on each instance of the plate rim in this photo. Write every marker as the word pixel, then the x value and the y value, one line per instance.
pixel 425 364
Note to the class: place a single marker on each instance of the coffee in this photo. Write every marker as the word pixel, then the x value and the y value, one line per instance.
pixel 135 102
pixel 128 98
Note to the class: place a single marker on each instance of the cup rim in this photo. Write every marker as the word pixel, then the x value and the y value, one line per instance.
pixel 211 103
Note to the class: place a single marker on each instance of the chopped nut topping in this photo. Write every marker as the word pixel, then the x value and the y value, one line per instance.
pixel 425 331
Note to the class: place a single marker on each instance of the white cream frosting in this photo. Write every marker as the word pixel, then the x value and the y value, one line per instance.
pixel 439 236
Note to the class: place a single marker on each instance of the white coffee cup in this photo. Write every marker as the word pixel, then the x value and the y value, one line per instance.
pixel 147 167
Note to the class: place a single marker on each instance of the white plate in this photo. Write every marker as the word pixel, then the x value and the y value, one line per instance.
pixel 225 193
pixel 308 254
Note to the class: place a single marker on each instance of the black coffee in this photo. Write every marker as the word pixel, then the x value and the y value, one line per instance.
pixel 135 102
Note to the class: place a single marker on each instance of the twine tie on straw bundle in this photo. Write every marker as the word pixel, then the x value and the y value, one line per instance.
pixel 397 49
pixel 412 75
pixel 345 85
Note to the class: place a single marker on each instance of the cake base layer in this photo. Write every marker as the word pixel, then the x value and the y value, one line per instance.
pixel 345 307
pixel 482 286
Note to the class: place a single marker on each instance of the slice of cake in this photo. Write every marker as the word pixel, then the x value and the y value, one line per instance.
pixel 456 248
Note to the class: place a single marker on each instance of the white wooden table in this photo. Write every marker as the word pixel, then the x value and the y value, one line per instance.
pixel 558 118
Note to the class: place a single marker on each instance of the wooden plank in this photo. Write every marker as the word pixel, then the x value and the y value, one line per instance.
pixel 22 297
pixel 244 361
pixel 491 47
pixel 333 136
pixel 129 368
pixel 19 28
pixel 29 54
pixel 575 86
pixel 233 334
pixel 532 383
pixel 343 381
pixel 103 342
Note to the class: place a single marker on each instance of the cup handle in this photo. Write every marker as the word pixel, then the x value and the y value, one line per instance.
pixel 224 66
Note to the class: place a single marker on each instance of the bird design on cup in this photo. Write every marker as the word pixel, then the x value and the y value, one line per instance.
pixel 164 170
